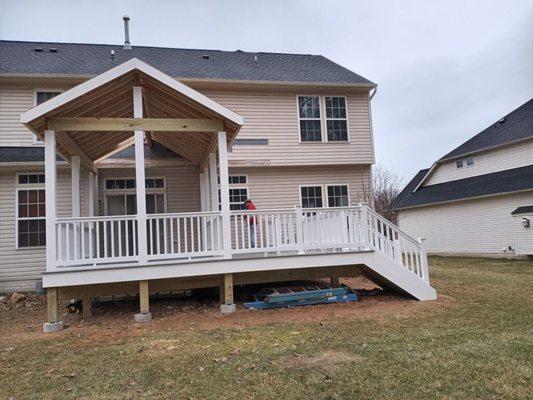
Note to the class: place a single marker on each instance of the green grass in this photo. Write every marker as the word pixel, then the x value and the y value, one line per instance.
pixel 474 343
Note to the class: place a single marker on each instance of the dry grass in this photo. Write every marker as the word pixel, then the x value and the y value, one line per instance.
pixel 475 342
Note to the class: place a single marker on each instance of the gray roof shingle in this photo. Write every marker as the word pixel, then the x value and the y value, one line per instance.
pixel 516 125
pixel 92 59
pixel 511 180
pixel 23 154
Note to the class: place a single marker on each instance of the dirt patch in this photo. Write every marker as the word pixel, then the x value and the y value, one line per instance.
pixel 114 321
pixel 329 361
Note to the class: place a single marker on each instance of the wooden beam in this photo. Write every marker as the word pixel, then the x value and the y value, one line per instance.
pixel 135 124
pixel 144 297
pixel 118 148
pixel 228 289
pixel 74 149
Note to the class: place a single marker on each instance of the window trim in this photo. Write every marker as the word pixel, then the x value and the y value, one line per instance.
pixel 111 192
pixel 324 186
pixel 309 119
pixel 36 140
pixel 326 119
pixel 235 186
pixel 347 193
pixel 323 119
pixel 25 186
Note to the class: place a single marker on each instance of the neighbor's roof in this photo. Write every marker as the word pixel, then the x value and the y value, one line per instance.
pixel 92 59
pixel 515 126
pixel 523 210
pixel 511 180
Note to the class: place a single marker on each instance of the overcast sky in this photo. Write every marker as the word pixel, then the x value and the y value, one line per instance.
pixel 445 69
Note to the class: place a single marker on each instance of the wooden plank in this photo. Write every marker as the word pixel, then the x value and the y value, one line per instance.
pixel 52 304
pixel 144 297
pixel 87 307
pixel 74 149
pixel 228 288
pixel 135 124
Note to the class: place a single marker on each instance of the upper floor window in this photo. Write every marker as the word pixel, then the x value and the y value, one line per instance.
pixel 459 164
pixel 322 113
pixel 309 115
pixel 336 122
pixel 469 161
pixel 41 97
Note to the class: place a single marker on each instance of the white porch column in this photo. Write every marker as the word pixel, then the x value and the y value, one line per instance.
pixel 140 177
pixel 224 193
pixel 50 197
pixel 213 181
pixel 75 185
pixel 203 205
pixel 207 189
pixel 91 196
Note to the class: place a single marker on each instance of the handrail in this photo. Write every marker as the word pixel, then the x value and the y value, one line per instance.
pixel 128 217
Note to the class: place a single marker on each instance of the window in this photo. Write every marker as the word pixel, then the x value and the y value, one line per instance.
pixel 41 97
pixel 311 196
pixel 336 122
pixel 31 210
pixel 470 161
pixel 309 118
pixel 338 196
pixel 459 163
pixel 238 192
pixel 129 183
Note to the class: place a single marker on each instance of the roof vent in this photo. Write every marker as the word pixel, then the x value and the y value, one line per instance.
pixel 127 44
pixel 502 121
pixel 205 56
pixel 53 49
pixel 255 60
pixel 38 49
pixel 112 54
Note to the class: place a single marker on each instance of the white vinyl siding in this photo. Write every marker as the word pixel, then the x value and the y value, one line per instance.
pixel 13 102
pixel 518 155
pixel 523 235
pixel 274 116
pixel 477 226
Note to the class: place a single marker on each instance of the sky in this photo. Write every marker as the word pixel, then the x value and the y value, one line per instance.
pixel 445 69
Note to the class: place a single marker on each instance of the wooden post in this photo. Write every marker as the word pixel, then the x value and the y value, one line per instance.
pixel 228 289
pixel 52 304
pixel 87 307
pixel 90 195
pixel 140 178
pixel 75 185
pixel 224 193
pixel 144 297
pixel 334 280
pixel 213 181
pixel 50 197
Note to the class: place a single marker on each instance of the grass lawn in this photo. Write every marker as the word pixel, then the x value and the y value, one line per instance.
pixel 475 342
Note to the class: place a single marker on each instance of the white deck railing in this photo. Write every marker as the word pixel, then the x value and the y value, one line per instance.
pixel 96 241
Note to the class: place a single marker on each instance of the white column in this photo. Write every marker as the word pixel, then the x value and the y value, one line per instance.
pixel 90 196
pixel 203 206
pixel 224 193
pixel 140 177
pixel 213 181
pixel 207 189
pixel 50 197
pixel 75 185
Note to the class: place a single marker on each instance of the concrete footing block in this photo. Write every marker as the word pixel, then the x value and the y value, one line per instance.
pixel 142 318
pixel 49 327
pixel 227 308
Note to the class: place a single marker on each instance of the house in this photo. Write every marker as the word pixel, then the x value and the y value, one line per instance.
pixel 82 124
pixel 469 200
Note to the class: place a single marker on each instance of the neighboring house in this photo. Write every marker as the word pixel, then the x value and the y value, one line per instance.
pixel 205 130
pixel 464 203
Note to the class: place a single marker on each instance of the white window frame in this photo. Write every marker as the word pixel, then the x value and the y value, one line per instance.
pixel 459 164
pixel 25 186
pixel 235 186
pixel 111 192
pixel 466 161
pixel 338 184
pixel 326 119
pixel 324 189
pixel 321 110
pixel 36 140
pixel 323 119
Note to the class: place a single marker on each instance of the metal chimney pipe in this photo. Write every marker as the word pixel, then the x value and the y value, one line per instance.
pixel 127 45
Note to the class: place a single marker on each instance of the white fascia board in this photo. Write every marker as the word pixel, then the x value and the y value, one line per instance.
pixel 121 70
